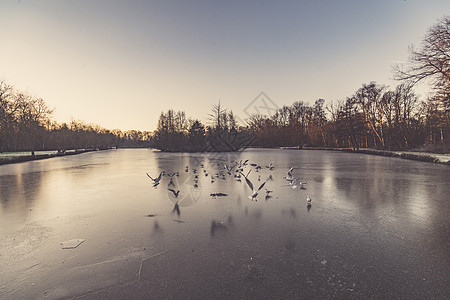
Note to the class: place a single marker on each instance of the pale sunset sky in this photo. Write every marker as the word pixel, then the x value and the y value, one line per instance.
pixel 118 64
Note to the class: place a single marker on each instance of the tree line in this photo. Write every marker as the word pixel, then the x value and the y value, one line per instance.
pixel 375 116
pixel 26 124
pixel 176 132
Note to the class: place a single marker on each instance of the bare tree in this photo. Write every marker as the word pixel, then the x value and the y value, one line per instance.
pixel 431 62
pixel 218 116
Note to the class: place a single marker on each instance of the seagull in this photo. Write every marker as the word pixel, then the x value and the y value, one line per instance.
pixel 295 183
pixel 238 177
pixel 229 168
pixel 254 191
pixel 175 193
pixel 308 200
pixel 268 192
pixel 157 179
pixel 270 167
pixel 214 195
pixel 289 176
pixel 171 177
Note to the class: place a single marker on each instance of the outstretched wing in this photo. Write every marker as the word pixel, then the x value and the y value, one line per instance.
pixel 249 183
pixel 150 177
pixel 261 186
pixel 289 173
pixel 159 177
pixel 173 191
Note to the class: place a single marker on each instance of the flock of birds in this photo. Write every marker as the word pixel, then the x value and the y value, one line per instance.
pixel 235 170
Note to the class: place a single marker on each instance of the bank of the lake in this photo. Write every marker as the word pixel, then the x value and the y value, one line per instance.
pixel 440 158
pixel 18 157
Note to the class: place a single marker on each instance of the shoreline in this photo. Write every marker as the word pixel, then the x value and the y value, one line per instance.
pixel 436 158
pixel 25 158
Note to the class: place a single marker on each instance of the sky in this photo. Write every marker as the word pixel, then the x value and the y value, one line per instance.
pixel 119 64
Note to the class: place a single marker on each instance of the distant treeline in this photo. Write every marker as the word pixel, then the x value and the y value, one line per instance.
pixel 26 125
pixel 374 117
pixel 175 132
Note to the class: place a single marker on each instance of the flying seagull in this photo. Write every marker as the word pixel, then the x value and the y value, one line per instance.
pixel 289 176
pixel 171 177
pixel 250 185
pixel 268 192
pixel 175 193
pixel 157 179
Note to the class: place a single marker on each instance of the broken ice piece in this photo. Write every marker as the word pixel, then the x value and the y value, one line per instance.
pixel 72 244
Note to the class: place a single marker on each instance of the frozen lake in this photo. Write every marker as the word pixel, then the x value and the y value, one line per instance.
pixel 378 227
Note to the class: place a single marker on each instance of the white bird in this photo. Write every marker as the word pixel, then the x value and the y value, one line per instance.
pixel 254 191
pixel 157 179
pixel 295 183
pixel 289 176
pixel 308 200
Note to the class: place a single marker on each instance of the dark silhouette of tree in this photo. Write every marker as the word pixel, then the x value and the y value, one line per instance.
pixel 431 63
pixel 369 99
pixel 26 125
pixel 196 136
pixel 218 117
